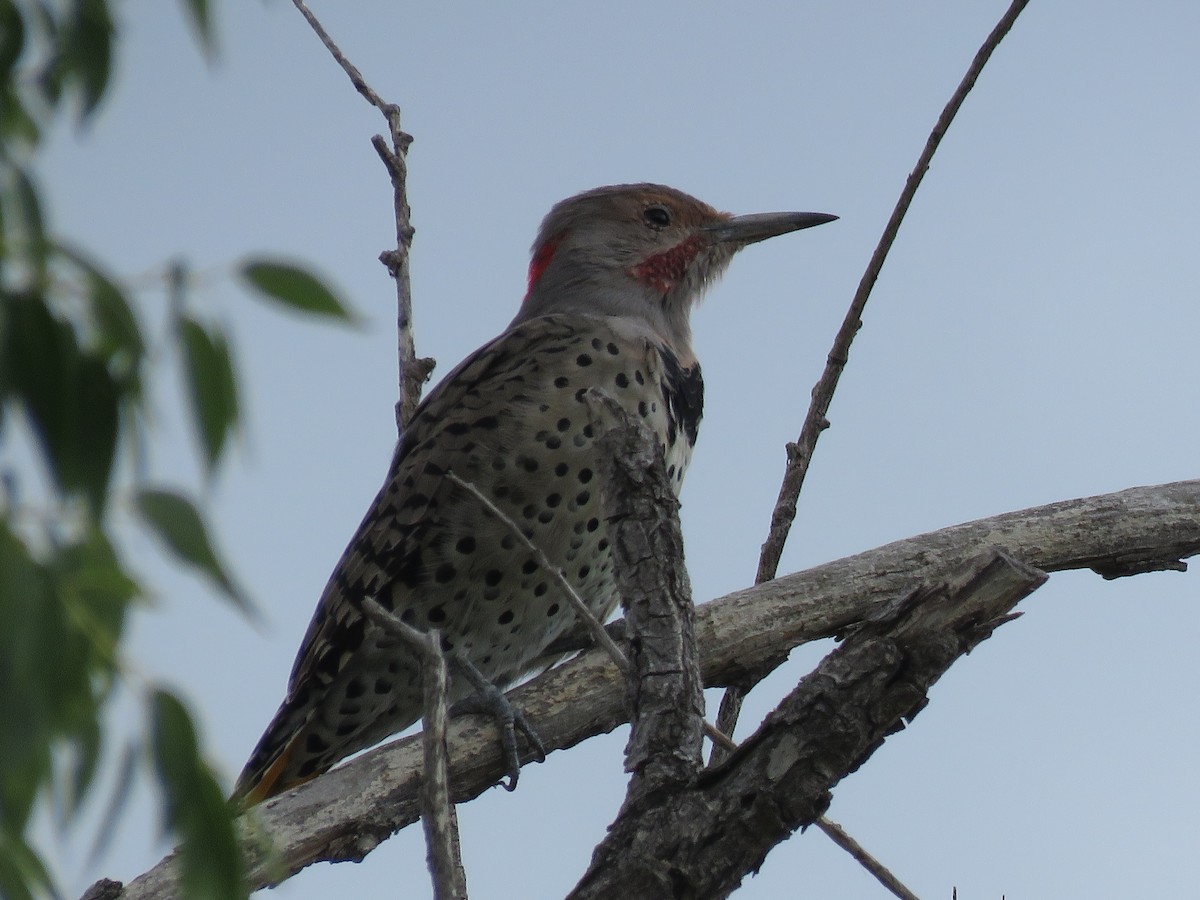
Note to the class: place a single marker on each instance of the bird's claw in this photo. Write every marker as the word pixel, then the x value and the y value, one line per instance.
pixel 490 700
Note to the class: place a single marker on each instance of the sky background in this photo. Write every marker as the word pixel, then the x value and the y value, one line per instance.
pixel 1033 338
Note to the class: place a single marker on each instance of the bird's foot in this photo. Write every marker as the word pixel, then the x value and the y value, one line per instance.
pixel 490 700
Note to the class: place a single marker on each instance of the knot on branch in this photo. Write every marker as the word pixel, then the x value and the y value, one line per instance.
pixel 393 259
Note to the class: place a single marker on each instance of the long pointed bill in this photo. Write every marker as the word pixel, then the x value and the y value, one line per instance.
pixel 760 226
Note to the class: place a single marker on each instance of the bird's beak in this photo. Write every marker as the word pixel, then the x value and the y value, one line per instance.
pixel 760 226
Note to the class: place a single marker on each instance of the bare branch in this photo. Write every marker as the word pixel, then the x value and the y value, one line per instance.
pixel 838 835
pixel 356 78
pixel 799 454
pixel 345 813
pixel 701 840
pixel 595 629
pixel 666 696
pixel 414 371
pixel 437 812
pixel 582 613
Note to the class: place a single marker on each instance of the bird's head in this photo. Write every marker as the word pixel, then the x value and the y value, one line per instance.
pixel 644 252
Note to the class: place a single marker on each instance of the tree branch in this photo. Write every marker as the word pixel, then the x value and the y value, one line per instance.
pixel 702 839
pixel 838 835
pixel 444 853
pixel 414 372
pixel 348 811
pixel 665 693
pixel 799 454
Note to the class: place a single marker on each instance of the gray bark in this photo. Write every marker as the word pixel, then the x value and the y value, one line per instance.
pixel 346 813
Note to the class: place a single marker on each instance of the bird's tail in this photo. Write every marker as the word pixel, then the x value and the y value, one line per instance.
pixel 269 770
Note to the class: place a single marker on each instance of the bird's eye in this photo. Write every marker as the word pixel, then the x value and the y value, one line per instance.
pixel 657 216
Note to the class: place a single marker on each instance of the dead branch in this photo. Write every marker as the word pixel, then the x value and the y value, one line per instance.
pixel 414 371
pixel 347 812
pixel 444 853
pixel 799 454
pixel 701 839
pixel 665 693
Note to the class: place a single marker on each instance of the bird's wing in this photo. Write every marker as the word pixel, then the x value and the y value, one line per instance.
pixel 385 547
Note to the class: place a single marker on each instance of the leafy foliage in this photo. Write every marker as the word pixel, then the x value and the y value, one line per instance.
pixel 181 527
pixel 195 808
pixel 75 362
pixel 295 288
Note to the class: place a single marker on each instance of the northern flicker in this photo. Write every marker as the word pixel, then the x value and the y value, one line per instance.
pixel 614 274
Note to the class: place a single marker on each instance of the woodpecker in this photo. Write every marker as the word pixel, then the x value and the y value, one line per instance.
pixel 614 274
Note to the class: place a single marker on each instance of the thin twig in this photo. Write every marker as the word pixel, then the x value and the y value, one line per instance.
pixel 356 78
pixel 572 596
pixel 800 453
pixel 438 817
pixel 414 371
pixel 719 738
pixel 585 615
pixel 838 835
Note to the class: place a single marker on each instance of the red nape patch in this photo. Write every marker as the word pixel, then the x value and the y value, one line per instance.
pixel 664 270
pixel 541 259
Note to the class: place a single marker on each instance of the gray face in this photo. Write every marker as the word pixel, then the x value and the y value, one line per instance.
pixel 644 253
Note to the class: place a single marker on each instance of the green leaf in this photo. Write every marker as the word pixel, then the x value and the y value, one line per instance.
pixel 28 616
pixel 194 806
pixel 97 592
pixel 23 875
pixel 34 245
pixel 201 16
pixel 12 38
pixel 86 51
pixel 85 751
pixel 95 433
pixel 16 124
pixel 179 525
pixel 69 396
pixel 119 796
pixel 212 386
pixel 295 288
pixel 116 334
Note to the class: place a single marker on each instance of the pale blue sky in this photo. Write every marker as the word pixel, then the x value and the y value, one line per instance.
pixel 1033 337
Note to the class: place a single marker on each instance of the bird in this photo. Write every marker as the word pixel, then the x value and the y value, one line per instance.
pixel 614 275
